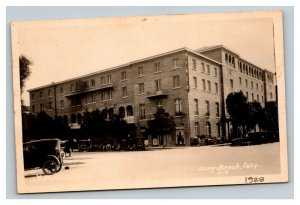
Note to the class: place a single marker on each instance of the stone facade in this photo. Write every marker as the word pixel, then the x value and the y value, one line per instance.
pixel 190 85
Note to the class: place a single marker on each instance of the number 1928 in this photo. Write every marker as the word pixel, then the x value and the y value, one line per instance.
pixel 254 180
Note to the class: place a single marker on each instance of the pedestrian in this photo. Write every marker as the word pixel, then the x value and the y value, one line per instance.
pixel 68 147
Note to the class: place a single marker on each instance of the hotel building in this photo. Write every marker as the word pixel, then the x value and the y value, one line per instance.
pixel 191 85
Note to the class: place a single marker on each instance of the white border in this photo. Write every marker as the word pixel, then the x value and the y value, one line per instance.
pixel 120 2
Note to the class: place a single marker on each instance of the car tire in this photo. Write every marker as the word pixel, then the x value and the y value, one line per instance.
pixel 50 167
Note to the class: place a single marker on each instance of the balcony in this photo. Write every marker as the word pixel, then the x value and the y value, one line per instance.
pixel 130 119
pixel 83 90
pixel 157 94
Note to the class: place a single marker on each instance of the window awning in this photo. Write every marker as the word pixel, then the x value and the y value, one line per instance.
pixel 104 87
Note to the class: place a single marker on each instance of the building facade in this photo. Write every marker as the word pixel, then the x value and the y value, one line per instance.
pixel 191 85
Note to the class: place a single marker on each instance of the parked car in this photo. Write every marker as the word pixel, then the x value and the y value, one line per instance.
pixel 255 138
pixel 84 145
pixel 45 154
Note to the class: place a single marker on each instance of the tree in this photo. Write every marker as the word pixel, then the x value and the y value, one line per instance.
pixel 161 125
pixel 24 66
pixel 271 116
pixel 256 115
pixel 237 108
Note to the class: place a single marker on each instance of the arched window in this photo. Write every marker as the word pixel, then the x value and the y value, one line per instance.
pixel 79 118
pixel 65 120
pixel 104 114
pixel 73 118
pixel 129 110
pixel 110 113
pixel 122 112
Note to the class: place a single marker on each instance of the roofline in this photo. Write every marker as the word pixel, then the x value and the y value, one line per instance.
pixel 112 68
pixel 216 47
pixel 221 46
pixel 203 56
pixel 263 69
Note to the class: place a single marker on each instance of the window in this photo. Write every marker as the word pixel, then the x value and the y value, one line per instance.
pixel 196 128
pixel 176 81
pixel 203 68
pixel 102 80
pixel 207 108
pixel 246 81
pixel 251 84
pixel 72 88
pixel 247 95
pixel 195 82
pixel 49 93
pixel 194 64
pixel 140 71
pixel 217 109
pixel 41 95
pixel 75 102
pixel 124 92
pixel 208 69
pixel 41 107
pixel 271 95
pixel 62 104
pixel 61 90
pixel 105 95
pixel 123 75
pixel 102 96
pixel 217 87
pixel 33 109
pixel 109 95
pixel 91 98
pixel 175 63
pixel 209 86
pixel 158 85
pixel 156 67
pixel 231 84
pixel 178 108
pixel 257 97
pixel 203 85
pixel 141 88
pixel 216 71
pixel 142 111
pixel 256 86
pixel 262 99
pixel 108 79
pixel 93 83
pixel 32 97
pixel 196 107
pixel 76 86
pixel 49 105
pixel 240 78
pixel 252 97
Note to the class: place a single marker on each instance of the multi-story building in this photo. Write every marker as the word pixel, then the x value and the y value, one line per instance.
pixel 191 85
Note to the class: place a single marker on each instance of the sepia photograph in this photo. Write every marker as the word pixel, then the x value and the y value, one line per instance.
pixel 149 101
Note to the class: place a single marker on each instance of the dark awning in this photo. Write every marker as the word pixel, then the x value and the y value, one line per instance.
pixel 105 87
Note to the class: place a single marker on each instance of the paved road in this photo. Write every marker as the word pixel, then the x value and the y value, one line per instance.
pixel 91 170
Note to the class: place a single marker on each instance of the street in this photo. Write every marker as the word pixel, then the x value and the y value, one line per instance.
pixel 89 170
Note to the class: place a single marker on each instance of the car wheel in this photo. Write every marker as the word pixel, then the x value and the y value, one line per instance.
pixel 59 167
pixel 50 167
pixel 108 147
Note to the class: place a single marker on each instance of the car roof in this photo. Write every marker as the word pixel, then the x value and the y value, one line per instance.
pixel 42 140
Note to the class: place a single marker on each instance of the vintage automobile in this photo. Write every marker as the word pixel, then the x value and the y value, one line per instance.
pixel 84 145
pixel 44 154
pixel 255 138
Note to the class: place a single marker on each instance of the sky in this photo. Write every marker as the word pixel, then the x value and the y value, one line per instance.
pixel 64 49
